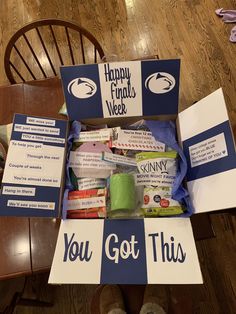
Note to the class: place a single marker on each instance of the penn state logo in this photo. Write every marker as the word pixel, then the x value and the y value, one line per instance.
pixel 160 82
pixel 82 87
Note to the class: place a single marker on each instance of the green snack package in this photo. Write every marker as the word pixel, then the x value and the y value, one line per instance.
pixel 162 164
pixel 157 201
pixel 157 198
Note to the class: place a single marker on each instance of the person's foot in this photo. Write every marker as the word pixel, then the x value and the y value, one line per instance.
pixel 155 300
pixel 111 299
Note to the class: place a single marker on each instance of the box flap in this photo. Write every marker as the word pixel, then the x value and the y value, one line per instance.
pixel 32 179
pixel 136 251
pixel 121 89
pixel 208 145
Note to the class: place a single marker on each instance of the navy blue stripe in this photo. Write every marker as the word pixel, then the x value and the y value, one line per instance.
pixel 59 124
pixel 216 166
pixel 82 108
pixel 160 104
pixel 42 194
pixel 130 270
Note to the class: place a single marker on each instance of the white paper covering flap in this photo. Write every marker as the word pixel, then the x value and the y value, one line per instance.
pixel 208 145
pixel 121 89
pixel 135 251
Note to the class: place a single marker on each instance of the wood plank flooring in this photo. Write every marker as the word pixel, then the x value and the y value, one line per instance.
pixel 189 30
pixel 130 29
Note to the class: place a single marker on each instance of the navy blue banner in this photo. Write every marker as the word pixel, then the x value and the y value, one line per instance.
pixel 215 166
pixel 82 91
pixel 160 87
pixel 124 252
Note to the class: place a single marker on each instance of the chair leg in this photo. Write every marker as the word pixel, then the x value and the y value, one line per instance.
pixel 34 302
pixel 11 307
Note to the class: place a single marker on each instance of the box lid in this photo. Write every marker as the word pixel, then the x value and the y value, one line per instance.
pixel 133 251
pixel 34 168
pixel 121 89
pixel 208 145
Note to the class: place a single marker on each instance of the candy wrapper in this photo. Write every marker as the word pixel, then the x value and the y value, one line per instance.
pixel 87 204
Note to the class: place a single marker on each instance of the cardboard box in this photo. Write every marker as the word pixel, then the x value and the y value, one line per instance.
pixel 158 250
pixel 152 250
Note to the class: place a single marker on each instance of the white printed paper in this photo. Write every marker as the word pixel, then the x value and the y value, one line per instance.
pixel 85 203
pixel 94 136
pixel 136 140
pixel 208 150
pixel 40 121
pixel 36 129
pixel 68 265
pixel 31 204
pixel 89 160
pixel 121 89
pixel 119 159
pixel 171 252
pixel 32 163
pixel 18 190
pixel 40 138
pixel 90 183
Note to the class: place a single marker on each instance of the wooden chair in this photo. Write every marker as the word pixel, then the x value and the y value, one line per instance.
pixel 12 293
pixel 38 49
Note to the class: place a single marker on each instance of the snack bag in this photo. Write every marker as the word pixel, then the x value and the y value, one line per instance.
pixel 157 200
pixel 161 163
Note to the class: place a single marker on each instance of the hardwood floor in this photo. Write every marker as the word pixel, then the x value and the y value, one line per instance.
pixel 130 29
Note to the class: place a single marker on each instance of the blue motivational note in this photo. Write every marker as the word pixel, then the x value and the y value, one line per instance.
pixel 31 184
pixel 210 152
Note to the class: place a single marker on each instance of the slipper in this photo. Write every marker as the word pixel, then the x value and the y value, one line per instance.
pixel 232 37
pixel 229 16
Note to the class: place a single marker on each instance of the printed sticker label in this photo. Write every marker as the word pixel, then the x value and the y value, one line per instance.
pixel 18 190
pixel 136 140
pixel 40 121
pixel 119 159
pixel 40 138
pixel 31 204
pixel 89 160
pixel 90 183
pixel 84 203
pixel 36 129
pixel 94 136
pixel 208 150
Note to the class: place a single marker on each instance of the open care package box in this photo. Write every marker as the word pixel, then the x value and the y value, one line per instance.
pixel 135 106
